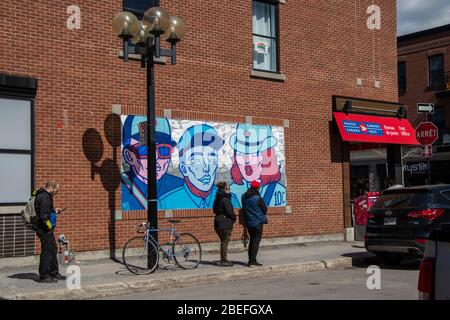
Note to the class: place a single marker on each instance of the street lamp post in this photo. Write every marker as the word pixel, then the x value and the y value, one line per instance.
pixel 146 35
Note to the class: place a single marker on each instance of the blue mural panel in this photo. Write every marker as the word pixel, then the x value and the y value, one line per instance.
pixel 191 156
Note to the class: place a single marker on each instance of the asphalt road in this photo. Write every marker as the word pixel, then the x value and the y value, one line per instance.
pixel 398 283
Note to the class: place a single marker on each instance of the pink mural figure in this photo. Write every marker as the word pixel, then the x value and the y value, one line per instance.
pixel 255 159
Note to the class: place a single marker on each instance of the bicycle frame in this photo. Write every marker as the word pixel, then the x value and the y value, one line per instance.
pixel 148 261
pixel 173 235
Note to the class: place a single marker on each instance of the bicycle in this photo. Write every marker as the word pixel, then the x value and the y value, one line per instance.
pixel 141 254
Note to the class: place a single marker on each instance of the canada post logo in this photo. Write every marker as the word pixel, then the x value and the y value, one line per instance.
pixel 368 128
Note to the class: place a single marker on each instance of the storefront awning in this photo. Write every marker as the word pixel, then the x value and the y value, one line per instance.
pixel 364 128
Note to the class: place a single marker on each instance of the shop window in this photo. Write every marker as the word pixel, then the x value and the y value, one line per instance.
pixel 436 70
pixel 265 36
pixel 401 70
pixel 15 151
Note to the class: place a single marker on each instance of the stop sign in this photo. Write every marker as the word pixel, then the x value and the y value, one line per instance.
pixel 426 133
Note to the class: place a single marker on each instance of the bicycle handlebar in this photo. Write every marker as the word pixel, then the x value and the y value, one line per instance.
pixel 139 228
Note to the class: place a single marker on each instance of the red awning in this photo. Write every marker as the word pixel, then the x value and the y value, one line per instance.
pixel 362 128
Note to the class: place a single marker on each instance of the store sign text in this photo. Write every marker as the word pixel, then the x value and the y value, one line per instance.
pixel 374 129
pixel 417 168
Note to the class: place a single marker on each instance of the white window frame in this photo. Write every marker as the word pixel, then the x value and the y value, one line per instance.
pixel 29 151
pixel 276 39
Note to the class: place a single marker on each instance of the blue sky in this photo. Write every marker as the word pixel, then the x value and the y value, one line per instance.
pixel 417 15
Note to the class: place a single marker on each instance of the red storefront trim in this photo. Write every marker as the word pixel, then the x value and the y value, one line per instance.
pixel 374 129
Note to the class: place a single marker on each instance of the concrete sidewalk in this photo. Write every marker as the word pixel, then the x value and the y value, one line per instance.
pixel 106 278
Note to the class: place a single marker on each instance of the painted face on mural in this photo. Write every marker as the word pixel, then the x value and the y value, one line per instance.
pixel 161 167
pixel 250 165
pixel 249 152
pixel 163 153
pixel 136 157
pixel 199 165
pixel 269 165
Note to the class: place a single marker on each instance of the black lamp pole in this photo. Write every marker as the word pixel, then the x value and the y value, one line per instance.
pixel 152 202
pixel 127 27
pixel 148 53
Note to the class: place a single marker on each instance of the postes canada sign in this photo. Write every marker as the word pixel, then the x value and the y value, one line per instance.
pixel 426 133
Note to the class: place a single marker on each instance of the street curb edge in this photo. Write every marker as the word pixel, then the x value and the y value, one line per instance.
pixel 123 288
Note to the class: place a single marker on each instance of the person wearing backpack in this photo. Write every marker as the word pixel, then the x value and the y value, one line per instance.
pixel 254 211
pixel 46 214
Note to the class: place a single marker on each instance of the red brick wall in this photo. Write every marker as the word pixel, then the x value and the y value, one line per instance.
pixel 415 53
pixel 324 46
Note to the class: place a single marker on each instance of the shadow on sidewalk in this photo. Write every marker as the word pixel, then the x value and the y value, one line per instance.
pixel 361 259
pixel 217 263
pixel 366 259
pixel 407 264
pixel 25 276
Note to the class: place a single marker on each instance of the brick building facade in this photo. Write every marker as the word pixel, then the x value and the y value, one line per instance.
pixel 423 64
pixel 325 50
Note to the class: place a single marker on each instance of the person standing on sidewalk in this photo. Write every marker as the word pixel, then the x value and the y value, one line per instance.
pixel 224 220
pixel 254 211
pixel 48 262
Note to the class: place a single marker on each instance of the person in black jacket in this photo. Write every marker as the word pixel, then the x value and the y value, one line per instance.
pixel 224 220
pixel 255 217
pixel 48 262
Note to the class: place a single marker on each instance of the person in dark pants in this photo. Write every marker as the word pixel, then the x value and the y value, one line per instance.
pixel 254 211
pixel 48 262
pixel 224 220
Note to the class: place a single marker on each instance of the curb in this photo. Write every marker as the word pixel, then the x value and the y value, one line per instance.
pixel 123 288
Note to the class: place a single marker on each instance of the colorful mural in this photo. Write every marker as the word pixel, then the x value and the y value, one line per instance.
pixel 191 156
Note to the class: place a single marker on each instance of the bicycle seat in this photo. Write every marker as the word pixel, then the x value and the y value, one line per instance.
pixel 174 221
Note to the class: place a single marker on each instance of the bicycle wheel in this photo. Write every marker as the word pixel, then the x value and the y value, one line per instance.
pixel 187 251
pixel 139 256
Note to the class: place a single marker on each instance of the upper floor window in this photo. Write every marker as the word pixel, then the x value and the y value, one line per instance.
pixel 138 7
pixel 265 36
pixel 436 70
pixel 401 70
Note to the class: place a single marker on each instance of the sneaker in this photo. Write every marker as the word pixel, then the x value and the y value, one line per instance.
pixel 59 277
pixel 226 263
pixel 48 280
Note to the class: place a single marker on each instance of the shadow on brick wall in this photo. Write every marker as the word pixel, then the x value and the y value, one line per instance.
pixel 335 143
pixel 107 169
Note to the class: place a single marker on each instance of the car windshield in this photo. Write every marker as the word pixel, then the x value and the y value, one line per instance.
pixel 402 200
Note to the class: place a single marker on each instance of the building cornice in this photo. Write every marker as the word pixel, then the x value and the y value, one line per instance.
pixel 424 46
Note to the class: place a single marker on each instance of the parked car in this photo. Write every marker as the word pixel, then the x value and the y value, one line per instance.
pixel 434 274
pixel 401 221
